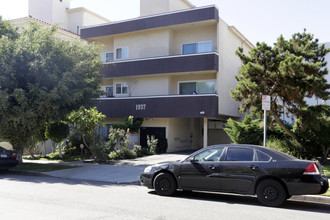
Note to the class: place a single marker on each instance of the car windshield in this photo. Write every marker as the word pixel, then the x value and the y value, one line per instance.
pixel 1 148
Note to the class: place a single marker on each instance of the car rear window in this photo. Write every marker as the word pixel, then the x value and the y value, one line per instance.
pixel 262 156
pixel 239 154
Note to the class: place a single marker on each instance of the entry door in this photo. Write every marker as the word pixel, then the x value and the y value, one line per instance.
pixel 202 170
pixel 158 132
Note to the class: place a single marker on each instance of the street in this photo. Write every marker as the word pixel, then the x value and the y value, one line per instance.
pixel 40 197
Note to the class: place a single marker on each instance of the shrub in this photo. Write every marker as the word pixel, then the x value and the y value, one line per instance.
pixel 123 153
pixel 247 132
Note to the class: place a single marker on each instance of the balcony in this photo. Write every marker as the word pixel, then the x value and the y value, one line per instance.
pixel 175 106
pixel 161 65
pixel 208 13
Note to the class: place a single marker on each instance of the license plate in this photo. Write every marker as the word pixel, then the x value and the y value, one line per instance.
pixel 3 156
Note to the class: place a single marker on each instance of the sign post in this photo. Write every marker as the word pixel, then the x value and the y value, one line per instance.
pixel 265 107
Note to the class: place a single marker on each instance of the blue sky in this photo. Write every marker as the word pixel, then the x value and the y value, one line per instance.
pixel 258 20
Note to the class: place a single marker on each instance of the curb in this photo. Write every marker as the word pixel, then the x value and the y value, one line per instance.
pixel 311 198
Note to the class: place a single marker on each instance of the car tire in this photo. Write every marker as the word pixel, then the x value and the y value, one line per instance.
pixel 164 184
pixel 271 193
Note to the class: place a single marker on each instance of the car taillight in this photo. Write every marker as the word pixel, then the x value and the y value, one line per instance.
pixel 312 170
pixel 14 155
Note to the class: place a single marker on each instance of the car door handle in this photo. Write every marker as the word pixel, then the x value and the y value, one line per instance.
pixel 212 167
pixel 252 167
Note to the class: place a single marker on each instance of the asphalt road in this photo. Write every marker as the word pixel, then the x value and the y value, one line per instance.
pixel 39 197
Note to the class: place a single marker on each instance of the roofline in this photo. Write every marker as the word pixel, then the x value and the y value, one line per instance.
pixel 240 35
pixel 32 19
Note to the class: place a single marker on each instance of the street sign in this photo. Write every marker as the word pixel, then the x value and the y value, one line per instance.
pixel 266 102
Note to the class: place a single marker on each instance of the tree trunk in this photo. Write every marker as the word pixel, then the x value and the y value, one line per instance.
pixel 60 149
pixel 325 155
pixel 44 148
pixel 285 129
pixel 53 147
pixel 19 151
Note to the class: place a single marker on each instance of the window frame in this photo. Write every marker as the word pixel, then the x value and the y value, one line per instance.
pixel 104 89
pixel 121 88
pixel 121 48
pixel 254 157
pixel 197 81
pixel 104 57
pixel 197 43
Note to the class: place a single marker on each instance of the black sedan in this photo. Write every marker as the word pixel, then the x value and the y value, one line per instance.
pixel 7 159
pixel 244 169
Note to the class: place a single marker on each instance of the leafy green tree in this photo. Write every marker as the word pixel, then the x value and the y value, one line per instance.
pixel 6 29
pixel 85 121
pixel 57 132
pixel 248 131
pixel 289 72
pixel 314 126
pixel 42 79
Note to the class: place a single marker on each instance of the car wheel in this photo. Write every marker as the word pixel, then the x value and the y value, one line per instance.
pixel 271 193
pixel 164 184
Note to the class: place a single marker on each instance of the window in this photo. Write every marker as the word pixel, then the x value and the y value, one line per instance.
pixel 122 53
pixel 107 57
pixel 239 154
pixel 201 87
pixel 209 155
pixel 108 91
pixel 262 156
pixel 200 47
pixel 121 88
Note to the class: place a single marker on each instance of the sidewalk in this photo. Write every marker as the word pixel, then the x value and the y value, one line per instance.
pixel 128 172
pixel 121 172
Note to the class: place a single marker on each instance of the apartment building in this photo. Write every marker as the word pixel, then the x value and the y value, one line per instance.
pixel 174 67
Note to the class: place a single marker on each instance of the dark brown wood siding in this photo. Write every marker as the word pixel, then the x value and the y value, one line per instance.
pixel 192 63
pixel 189 16
pixel 161 107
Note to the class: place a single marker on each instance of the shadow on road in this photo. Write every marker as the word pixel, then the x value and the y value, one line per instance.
pixel 40 178
pixel 249 200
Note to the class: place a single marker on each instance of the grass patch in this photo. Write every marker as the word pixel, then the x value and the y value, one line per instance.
pixel 37 167
pixel 326 169
pixel 56 157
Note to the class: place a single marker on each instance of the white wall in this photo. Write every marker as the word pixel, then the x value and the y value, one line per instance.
pixel 194 35
pixel 145 85
pixel 50 11
pixel 145 44
pixel 151 7
pixel 229 66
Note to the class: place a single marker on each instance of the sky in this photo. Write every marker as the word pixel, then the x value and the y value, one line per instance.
pixel 257 20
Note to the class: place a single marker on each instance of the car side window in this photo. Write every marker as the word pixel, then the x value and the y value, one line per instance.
pixel 209 155
pixel 239 154
pixel 263 157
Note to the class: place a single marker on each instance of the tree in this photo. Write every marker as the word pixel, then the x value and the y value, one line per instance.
pixel 42 79
pixel 247 132
pixel 6 29
pixel 289 72
pixel 314 126
pixel 56 132
pixel 85 122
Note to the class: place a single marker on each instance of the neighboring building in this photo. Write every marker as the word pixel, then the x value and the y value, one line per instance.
pixel 174 66
pixel 58 12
